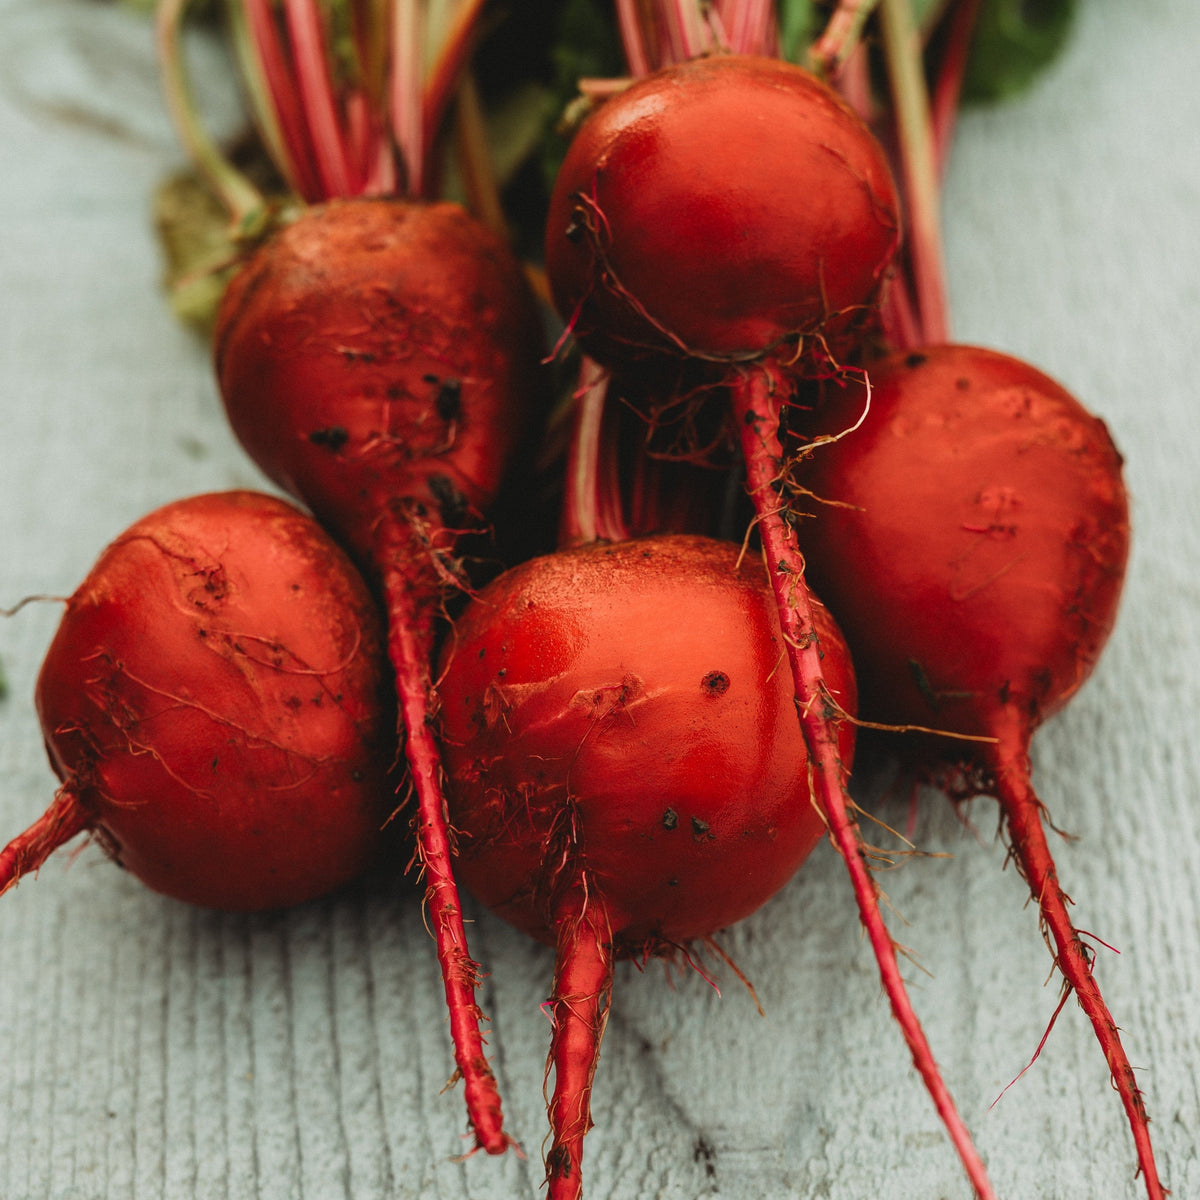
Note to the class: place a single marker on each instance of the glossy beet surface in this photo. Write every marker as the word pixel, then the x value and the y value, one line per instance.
pixel 373 350
pixel 217 700
pixel 720 209
pixel 624 711
pixel 977 550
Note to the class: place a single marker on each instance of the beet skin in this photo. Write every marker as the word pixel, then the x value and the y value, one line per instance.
pixel 217 704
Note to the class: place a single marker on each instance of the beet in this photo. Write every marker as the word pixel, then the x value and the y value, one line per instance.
pixel 217 705
pixel 381 360
pixel 972 534
pixel 719 210
pixel 726 225
pixel 627 775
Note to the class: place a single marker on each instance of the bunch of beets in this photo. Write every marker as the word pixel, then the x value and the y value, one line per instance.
pixel 626 743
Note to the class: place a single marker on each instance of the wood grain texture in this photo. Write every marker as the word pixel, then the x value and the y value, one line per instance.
pixel 153 1052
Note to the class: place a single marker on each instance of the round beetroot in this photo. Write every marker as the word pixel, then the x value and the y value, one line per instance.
pixel 217 705
pixel 719 209
pixel 627 774
pixel 976 549
pixel 379 353
pixel 972 534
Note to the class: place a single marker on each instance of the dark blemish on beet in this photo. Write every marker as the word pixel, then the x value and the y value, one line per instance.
pixel 558 1163
pixel 449 400
pixel 670 819
pixel 917 671
pixel 915 360
pixel 333 438
pixel 700 831
pixel 963 384
pixel 453 504
pixel 715 683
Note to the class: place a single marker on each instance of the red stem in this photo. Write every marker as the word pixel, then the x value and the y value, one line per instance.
pixel 634 41
pixel 841 36
pixel 411 606
pixel 918 166
pixel 317 97
pixel 582 517
pixel 952 67
pixel 898 314
pixel 756 413
pixel 444 77
pixel 404 94
pixel 583 976
pixel 750 26
pixel 264 36
pixel 1009 761
pixel 65 818
pixel 853 83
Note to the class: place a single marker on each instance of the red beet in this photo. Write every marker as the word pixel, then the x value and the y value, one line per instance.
pixel 380 359
pixel 974 552
pixel 627 775
pixel 729 222
pixel 720 209
pixel 217 706
pixel 377 357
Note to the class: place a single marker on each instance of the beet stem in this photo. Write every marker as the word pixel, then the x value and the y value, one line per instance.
pixel 919 165
pixel 239 196
pixel 65 818
pixel 1009 760
pixel 410 647
pixel 583 977
pixel 756 411
pixel 948 82
pixel 842 34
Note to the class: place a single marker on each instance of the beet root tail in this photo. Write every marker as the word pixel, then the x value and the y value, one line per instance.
pixel 410 648
pixel 1027 835
pixel 579 1007
pixel 64 819
pixel 756 414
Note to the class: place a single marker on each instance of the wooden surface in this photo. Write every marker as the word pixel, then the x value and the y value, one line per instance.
pixel 148 1050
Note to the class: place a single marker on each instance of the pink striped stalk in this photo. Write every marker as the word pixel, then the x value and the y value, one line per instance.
pixel 322 119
